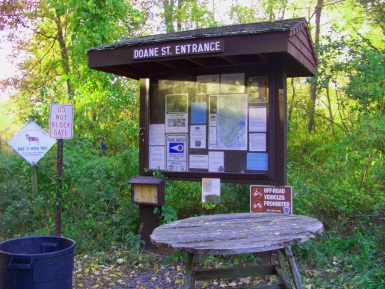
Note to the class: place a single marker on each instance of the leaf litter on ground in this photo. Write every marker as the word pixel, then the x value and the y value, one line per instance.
pixel 122 274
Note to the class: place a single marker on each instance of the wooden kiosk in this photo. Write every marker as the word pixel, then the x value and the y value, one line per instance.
pixel 213 101
pixel 213 105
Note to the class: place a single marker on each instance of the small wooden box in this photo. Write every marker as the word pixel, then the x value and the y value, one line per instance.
pixel 147 190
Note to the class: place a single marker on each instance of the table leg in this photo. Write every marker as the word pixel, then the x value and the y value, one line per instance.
pixel 293 268
pixel 189 278
pixel 282 270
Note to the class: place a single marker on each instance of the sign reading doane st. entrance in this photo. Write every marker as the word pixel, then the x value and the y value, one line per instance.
pixel 188 48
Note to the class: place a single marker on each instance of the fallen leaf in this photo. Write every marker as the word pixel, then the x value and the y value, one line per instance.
pixel 179 281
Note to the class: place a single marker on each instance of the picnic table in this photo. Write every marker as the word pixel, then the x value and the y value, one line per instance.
pixel 240 233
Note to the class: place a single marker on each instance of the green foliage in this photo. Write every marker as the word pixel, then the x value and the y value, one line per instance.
pixel 337 173
pixel 352 261
pixel 182 15
pixel 340 178
pixel 183 200
pixel 367 82
pixel 97 209
pixel 242 14
pixel 22 212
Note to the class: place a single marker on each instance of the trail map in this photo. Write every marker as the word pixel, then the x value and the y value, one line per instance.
pixel 231 125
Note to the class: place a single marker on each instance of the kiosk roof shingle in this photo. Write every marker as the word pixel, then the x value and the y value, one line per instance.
pixel 231 30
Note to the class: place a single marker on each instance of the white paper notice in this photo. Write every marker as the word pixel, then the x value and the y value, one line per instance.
pixel 257 119
pixel 216 162
pixel 257 142
pixel 176 113
pixel 199 162
pixel 233 83
pixel 197 136
pixel 213 135
pixel 208 84
pixel 211 190
pixel 157 158
pixel 157 135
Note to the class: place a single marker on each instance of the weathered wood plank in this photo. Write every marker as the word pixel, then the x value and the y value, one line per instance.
pixel 236 233
pixel 293 268
pixel 189 278
pixel 234 272
pixel 284 279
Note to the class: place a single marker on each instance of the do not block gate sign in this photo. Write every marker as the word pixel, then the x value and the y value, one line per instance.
pixel 61 121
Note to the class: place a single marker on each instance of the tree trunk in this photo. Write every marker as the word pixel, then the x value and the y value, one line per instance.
pixel 327 88
pixel 291 103
pixel 313 88
pixel 168 6
pixel 64 55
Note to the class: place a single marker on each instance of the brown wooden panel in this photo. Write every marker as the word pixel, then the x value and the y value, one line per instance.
pixel 235 272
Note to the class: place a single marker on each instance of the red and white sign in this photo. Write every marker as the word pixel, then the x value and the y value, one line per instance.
pixel 31 142
pixel 271 199
pixel 61 121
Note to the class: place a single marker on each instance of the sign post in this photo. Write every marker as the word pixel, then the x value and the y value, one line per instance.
pixel 60 127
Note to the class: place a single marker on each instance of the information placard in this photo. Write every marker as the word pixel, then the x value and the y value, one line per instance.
pixel 61 121
pixel 271 199
pixel 176 153
pixel 31 142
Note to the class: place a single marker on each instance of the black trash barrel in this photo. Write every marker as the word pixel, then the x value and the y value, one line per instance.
pixel 37 263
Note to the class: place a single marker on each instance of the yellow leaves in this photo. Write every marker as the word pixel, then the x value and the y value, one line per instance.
pixel 90 273
pixel 179 281
pixel 96 275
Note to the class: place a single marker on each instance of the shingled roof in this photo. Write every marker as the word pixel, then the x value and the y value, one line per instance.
pixel 243 44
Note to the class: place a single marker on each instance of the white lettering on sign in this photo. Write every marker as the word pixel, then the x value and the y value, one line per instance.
pixel 276 204
pixel 61 121
pixel 146 52
pixel 198 48
pixel 180 49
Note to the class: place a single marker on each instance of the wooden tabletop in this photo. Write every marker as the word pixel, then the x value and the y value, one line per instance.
pixel 236 233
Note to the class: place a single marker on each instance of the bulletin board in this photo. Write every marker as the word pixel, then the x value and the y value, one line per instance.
pixel 209 125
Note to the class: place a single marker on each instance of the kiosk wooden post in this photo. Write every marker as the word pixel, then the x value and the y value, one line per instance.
pixel 148 193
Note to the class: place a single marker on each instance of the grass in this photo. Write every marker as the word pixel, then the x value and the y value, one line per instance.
pixel 336 260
